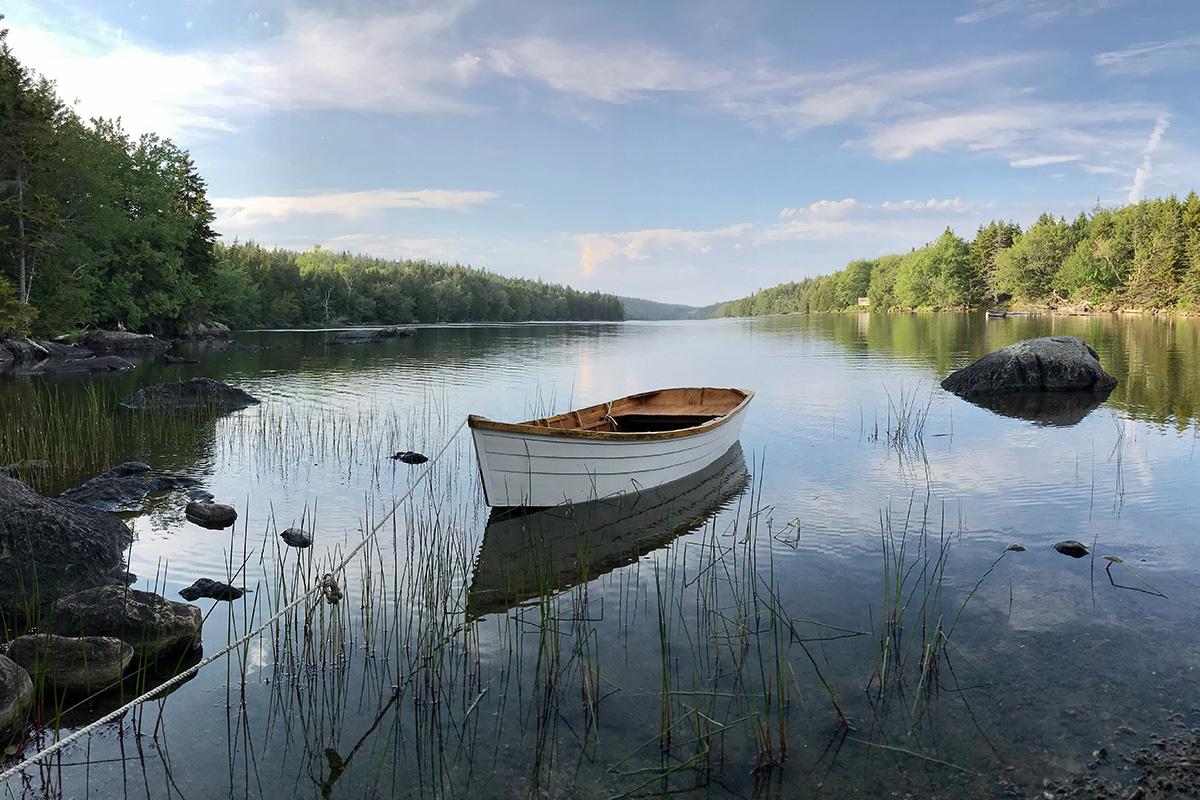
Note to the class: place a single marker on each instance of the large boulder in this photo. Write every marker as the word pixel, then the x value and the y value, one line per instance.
pixel 1049 364
pixel 49 548
pixel 149 623
pixel 75 663
pixel 23 351
pixel 123 342
pixel 204 394
pixel 368 335
pixel 16 696
pixel 123 485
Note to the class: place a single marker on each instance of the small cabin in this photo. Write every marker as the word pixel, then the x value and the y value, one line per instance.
pixel 864 301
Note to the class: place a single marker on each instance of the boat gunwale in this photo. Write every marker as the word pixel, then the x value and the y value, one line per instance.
pixel 477 422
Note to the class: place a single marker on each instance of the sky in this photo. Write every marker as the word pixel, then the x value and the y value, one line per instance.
pixel 687 152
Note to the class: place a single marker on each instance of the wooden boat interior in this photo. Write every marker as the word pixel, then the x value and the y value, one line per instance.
pixel 663 410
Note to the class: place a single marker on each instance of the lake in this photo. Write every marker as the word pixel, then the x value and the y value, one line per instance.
pixel 832 612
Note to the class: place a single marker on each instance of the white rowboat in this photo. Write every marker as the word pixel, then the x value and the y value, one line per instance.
pixel 627 445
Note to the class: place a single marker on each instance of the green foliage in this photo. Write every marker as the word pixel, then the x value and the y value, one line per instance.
pixel 15 316
pixel 253 286
pixel 939 275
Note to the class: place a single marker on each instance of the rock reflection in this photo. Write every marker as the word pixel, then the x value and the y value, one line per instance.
pixel 527 554
pixel 1057 409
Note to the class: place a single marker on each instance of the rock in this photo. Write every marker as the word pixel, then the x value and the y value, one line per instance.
pixel 198 393
pixel 205 587
pixel 79 366
pixel 1072 548
pixel 409 457
pixel 64 350
pixel 87 663
pixel 150 624
pixel 170 359
pixel 23 351
pixel 6 358
pixel 49 548
pixel 368 335
pixel 199 495
pixel 123 342
pixel 120 487
pixel 206 331
pixel 1049 364
pixel 16 697
pixel 296 537
pixel 1016 548
pixel 211 515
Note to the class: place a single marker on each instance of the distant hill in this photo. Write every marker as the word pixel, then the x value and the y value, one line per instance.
pixel 636 308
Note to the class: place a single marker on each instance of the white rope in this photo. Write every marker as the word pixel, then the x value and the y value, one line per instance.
pixel 112 715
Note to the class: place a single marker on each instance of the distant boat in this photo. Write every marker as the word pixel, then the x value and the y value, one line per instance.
pixel 626 445
pixel 995 313
pixel 529 553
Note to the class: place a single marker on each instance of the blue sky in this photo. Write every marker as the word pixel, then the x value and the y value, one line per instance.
pixel 679 151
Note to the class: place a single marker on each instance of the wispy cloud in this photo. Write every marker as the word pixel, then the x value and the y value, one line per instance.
pixel 1177 55
pixel 1041 161
pixel 1035 12
pixel 1143 172
pixel 393 62
pixel 242 212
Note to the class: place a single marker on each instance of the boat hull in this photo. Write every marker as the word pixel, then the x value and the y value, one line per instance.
pixel 543 469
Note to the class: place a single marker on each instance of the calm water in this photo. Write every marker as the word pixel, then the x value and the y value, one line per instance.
pixel 712 654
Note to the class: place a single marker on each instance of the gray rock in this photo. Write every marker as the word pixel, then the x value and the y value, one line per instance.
pixel 79 366
pixel 123 342
pixel 49 548
pixel 1049 364
pixel 410 457
pixel 152 625
pixel 211 515
pixel 65 350
pixel 200 495
pixel 16 697
pixel 206 331
pixel 23 351
pixel 296 537
pixel 368 335
pixel 122 486
pixel 206 587
pixel 78 663
pixel 1072 548
pixel 204 394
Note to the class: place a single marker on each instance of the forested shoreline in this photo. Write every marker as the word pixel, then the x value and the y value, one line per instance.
pixel 102 229
pixel 1144 256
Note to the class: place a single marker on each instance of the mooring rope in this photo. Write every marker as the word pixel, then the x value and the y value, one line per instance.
pixel 190 671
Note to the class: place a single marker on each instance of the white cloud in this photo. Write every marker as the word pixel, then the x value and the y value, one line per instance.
pixel 1149 57
pixel 244 212
pixel 1143 172
pixel 1035 12
pixel 1041 161
pixel 395 62
pixel 612 75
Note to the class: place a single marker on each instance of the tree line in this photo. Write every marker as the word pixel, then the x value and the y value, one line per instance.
pixel 1140 256
pixel 100 229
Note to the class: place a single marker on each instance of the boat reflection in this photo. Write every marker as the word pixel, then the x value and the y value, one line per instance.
pixel 529 553
pixel 1057 409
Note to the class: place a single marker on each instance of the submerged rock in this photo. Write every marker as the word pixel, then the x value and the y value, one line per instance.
pixel 368 335
pixel 122 485
pixel 79 366
pixel 410 457
pixel 1049 364
pixel 49 548
pixel 123 342
pixel 296 537
pixel 149 623
pixel 211 515
pixel 1016 548
pixel 77 663
pixel 197 393
pixel 206 587
pixel 1072 548
pixel 170 359
pixel 16 696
